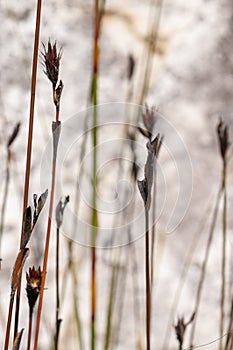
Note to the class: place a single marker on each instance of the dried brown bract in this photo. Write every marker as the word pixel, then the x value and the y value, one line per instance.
pixel 60 210
pixel 131 66
pixel 33 278
pixel 149 119
pixel 180 328
pixel 145 186
pixel 17 340
pixel 13 135
pixel 57 95
pixel 223 138
pixel 51 62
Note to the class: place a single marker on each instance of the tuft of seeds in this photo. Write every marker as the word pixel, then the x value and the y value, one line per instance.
pixel 33 278
pixel 51 62
pixel 149 119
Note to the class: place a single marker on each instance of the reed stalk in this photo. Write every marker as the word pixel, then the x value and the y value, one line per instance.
pixel 147 274
pixel 51 64
pixel 186 266
pixel 223 138
pixel 94 220
pixel 29 145
pixel 59 219
pixel 204 265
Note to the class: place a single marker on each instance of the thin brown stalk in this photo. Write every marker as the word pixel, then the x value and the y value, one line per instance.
pixel 147 274
pixel 29 145
pixel 46 251
pixel 16 273
pixel 8 327
pixel 94 221
pixel 223 273
pixel 57 291
pixel 186 266
pixel 153 229
pixel 223 138
pixel 29 330
pixel 204 265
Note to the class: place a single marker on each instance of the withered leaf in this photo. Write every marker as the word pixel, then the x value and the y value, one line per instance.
pixel 18 266
pixel 56 130
pixel 145 132
pixel 17 340
pixel 39 205
pixel 13 135
pixel 142 186
pixel 27 225
pixel 60 210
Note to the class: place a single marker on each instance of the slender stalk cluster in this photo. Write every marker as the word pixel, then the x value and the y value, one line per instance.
pixel 223 138
pixel 51 63
pixel 59 219
pixel 145 188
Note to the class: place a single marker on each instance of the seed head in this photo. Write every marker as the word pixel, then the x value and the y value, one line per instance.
pixel 149 119
pixel 180 328
pixel 51 62
pixel 33 278
pixel 223 138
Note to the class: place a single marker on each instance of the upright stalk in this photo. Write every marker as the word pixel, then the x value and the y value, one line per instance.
pixel 153 230
pixel 29 145
pixel 223 138
pixel 46 250
pixel 57 290
pixel 94 220
pixel 51 64
pixel 29 330
pixel 223 270
pixel 147 274
pixel 204 265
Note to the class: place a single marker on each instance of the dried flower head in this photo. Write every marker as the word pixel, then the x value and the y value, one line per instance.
pixel 149 118
pixel 223 138
pixel 51 62
pixel 33 278
pixel 180 328
pixel 145 185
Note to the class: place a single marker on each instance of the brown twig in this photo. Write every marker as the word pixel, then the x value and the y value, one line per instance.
pixel 51 62
pixel 29 145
